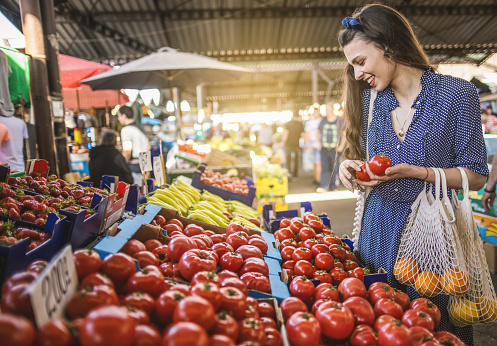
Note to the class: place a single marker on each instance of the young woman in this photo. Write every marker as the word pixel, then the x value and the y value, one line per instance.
pixel 420 119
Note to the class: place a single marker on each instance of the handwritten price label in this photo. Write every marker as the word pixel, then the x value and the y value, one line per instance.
pixel 145 161
pixel 54 287
pixel 159 175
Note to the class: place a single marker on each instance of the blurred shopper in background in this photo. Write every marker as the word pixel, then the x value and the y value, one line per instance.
pixel 489 120
pixel 134 141
pixel 291 142
pixel 265 135
pixel 311 139
pixel 331 144
pixel 11 151
pixel 105 159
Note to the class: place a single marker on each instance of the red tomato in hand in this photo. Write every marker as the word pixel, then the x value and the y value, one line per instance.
pixel 379 163
pixel 362 173
pixel 303 329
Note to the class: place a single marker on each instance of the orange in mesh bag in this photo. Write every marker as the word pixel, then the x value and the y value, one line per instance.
pixel 430 257
pixel 478 304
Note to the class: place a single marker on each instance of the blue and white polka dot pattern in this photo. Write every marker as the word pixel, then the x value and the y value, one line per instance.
pixel 445 132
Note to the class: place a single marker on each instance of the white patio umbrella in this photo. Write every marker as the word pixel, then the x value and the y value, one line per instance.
pixel 166 68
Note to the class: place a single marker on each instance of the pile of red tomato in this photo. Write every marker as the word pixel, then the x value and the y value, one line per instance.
pixel 115 305
pixel 351 314
pixel 309 250
pixel 224 181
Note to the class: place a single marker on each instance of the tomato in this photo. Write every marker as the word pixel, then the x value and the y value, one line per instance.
pixel 209 292
pixel 306 233
pixel 266 310
pixel 288 242
pixel 149 280
pixel 133 246
pixel 140 316
pixel 236 227
pixel 324 261
pixel 96 279
pixel 195 309
pixel 251 312
pixel 427 306
pixel 185 333
pixel 220 340
pixel 420 335
pixel 303 267
pixel 222 248
pixel 402 299
pixel 199 243
pixel 351 287
pixel 205 276
pixel 291 305
pixel 161 253
pixel 176 222
pixel 362 310
pixel 146 258
pixel 379 163
pixel 192 229
pixel 108 325
pixel 287 253
pixel 118 267
pixel 37 266
pixel 308 216
pixel 167 269
pixel 447 338
pixel 232 261
pixel 381 321
pixel 194 261
pixel 380 291
pixel 146 335
pixel 170 228
pixel 205 238
pixel 236 240
pixel 16 330
pixel 233 301
pixel 256 281
pixel 284 223
pixel 255 265
pixel 338 252
pixel 316 225
pixel 301 287
pixel 268 322
pixel 323 276
pixel 356 273
pixel 218 238
pixel 54 332
pixel 251 329
pixel 284 233
pixel 326 290
pixel 302 253
pixel 349 265
pixel 362 173
pixel 248 251
pixel 303 329
pixel 336 320
pixel 337 275
pixel 139 300
pixel 236 283
pixel 87 262
pixel 273 337
pixel 259 243
pixel 394 334
pixel 178 246
pixel 18 279
pixel 166 304
pixel 90 298
pixel 288 264
pixel 413 317
pixel 152 244
pixel 384 306
pixel 225 324
pixel 363 335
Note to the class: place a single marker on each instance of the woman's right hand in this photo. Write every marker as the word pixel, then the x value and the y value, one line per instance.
pixel 346 174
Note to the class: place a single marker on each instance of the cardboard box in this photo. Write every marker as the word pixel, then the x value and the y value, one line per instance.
pixel 219 158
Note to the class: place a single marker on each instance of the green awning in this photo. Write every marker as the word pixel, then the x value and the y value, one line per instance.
pixel 19 80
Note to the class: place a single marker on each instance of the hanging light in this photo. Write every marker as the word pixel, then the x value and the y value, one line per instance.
pixel 170 106
pixel 184 106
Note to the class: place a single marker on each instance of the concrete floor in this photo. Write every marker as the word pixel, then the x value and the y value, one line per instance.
pixel 340 207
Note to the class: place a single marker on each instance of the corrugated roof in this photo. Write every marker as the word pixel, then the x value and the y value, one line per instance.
pixel 280 39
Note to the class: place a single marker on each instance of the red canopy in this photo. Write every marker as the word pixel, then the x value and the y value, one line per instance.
pixel 73 70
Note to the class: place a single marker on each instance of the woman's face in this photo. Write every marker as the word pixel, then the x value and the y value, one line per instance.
pixel 369 63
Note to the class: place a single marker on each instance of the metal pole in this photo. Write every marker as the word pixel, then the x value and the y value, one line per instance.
pixel 315 85
pixel 177 113
pixel 199 100
pixel 33 32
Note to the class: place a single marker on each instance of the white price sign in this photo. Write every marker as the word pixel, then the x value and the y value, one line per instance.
pixel 145 160
pixel 54 287
pixel 159 175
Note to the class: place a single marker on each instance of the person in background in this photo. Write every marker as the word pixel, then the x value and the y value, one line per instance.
pixel 291 142
pixel 490 121
pixel 330 143
pixel 311 139
pixel 414 112
pixel 4 135
pixel 105 159
pixel 11 151
pixel 265 135
pixel 134 141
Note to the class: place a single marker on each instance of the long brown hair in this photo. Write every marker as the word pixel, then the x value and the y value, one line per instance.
pixel 389 31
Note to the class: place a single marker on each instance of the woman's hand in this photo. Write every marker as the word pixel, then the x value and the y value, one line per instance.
pixel 347 171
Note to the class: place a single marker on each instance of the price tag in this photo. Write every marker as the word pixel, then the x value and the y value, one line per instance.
pixel 54 287
pixel 159 175
pixel 145 161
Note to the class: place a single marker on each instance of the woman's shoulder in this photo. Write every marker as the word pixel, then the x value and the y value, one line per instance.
pixel 455 85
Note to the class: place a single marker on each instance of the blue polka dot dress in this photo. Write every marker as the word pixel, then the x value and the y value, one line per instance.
pixel 445 132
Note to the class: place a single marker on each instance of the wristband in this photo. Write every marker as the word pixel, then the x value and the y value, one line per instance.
pixel 489 191
pixel 427 173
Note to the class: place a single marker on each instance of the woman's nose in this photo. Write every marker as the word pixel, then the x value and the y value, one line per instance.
pixel 358 73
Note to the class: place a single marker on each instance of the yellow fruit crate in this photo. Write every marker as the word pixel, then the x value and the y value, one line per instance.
pixel 270 187
pixel 278 203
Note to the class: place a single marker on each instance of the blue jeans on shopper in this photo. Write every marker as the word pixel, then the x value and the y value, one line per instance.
pixel 329 168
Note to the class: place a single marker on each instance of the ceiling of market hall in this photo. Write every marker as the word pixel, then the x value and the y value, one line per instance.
pixel 281 41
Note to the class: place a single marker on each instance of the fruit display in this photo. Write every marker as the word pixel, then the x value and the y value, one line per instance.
pixel 224 181
pixel 204 206
pixel 10 234
pixel 117 305
pixel 350 314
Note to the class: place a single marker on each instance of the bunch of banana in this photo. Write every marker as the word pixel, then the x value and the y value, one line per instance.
pixel 491 230
pixel 177 196
pixel 209 213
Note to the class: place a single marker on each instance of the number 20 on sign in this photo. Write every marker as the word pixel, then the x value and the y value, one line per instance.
pixel 52 290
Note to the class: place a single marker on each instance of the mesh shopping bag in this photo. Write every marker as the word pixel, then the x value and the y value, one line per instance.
pixel 430 257
pixel 479 303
